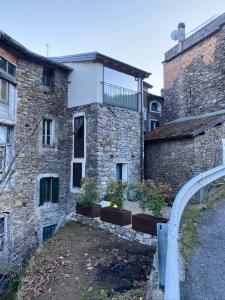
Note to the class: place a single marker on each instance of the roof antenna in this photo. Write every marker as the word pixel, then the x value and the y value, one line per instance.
pixel 47 48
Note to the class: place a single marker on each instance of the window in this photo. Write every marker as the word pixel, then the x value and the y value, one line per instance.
pixel 79 151
pixel 47 132
pixel 2 158
pixel 79 137
pixel 155 106
pixel 77 175
pixel 48 231
pixel 49 190
pixel 8 67
pixel 2 233
pixel 4 91
pixel 153 124
pixel 121 172
pixel 47 79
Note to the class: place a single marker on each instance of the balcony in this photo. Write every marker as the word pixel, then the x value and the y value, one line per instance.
pixel 119 96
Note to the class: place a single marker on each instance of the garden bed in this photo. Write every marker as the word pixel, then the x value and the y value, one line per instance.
pixel 81 262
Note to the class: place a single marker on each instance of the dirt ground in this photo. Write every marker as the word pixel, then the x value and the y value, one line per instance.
pixel 84 263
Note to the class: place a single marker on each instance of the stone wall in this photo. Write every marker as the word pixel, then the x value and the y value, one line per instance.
pixel 26 217
pixel 194 79
pixel 126 232
pixel 113 136
pixel 177 161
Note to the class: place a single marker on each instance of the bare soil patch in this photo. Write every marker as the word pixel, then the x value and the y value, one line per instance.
pixel 85 263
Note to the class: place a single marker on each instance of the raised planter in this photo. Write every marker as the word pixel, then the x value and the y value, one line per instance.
pixel 92 210
pixel 116 216
pixel 146 223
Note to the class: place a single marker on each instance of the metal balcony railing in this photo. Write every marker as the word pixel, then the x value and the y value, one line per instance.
pixel 119 96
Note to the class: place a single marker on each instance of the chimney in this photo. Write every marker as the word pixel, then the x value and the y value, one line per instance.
pixel 181 35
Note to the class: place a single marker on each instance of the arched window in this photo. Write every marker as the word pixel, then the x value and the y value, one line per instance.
pixel 155 106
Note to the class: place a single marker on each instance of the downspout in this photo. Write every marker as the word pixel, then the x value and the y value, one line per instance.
pixel 141 125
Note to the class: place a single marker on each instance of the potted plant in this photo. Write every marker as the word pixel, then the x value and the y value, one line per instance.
pixel 115 213
pixel 86 206
pixel 151 198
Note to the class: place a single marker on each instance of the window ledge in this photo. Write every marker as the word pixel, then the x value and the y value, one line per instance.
pixel 48 206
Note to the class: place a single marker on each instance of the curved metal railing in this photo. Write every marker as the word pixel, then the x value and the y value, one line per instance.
pixel 172 276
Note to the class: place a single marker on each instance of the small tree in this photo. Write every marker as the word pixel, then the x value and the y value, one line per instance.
pixel 115 193
pixel 150 197
pixel 90 193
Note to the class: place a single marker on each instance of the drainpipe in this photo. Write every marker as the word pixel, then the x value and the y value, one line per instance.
pixel 141 122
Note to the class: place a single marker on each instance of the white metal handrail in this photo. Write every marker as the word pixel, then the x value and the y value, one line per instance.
pixel 172 280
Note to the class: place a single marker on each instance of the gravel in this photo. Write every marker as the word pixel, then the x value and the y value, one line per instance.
pixel 205 277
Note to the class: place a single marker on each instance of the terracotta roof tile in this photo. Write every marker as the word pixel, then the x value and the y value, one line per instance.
pixel 184 129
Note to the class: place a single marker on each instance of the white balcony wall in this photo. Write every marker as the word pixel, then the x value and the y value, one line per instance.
pixel 85 85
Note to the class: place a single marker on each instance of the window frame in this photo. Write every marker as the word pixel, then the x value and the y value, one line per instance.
pixel 158 104
pixel 4 249
pixel 6 102
pixel 153 120
pixel 81 160
pixel 52 133
pixel 49 74
pixel 47 203
pixel 7 67
pixel 125 171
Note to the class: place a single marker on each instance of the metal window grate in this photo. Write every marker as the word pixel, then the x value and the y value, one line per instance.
pixel 48 231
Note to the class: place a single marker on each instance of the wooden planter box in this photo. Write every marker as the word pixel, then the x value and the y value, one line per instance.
pixel 92 210
pixel 146 223
pixel 116 216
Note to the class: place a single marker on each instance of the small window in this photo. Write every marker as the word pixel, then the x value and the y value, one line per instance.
pixel 2 158
pixel 47 139
pixel 48 232
pixel 155 107
pixel 121 172
pixel 47 80
pixel 3 64
pixel 11 69
pixel 77 175
pixel 154 124
pixel 79 137
pixel 2 233
pixel 4 94
pixel 49 190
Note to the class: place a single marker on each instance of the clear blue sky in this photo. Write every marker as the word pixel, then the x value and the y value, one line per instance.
pixel 134 31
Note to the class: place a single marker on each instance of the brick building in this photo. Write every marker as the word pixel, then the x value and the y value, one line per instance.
pixel 192 136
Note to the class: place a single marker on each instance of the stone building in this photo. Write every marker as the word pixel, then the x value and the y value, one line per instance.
pixel 191 137
pixel 61 119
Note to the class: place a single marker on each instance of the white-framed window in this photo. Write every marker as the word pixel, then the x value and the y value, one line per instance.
pixel 4 91
pixel 79 151
pixel 153 124
pixel 2 233
pixel 48 188
pixel 48 132
pixel 5 147
pixel 7 67
pixel 122 172
pixel 155 107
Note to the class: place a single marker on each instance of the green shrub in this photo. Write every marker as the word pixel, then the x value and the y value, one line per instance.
pixel 89 191
pixel 151 196
pixel 115 193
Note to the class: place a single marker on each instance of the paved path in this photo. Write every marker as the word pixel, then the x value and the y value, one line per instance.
pixel 205 278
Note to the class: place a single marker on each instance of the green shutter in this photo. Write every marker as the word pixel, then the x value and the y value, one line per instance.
pixel 42 191
pixel 55 190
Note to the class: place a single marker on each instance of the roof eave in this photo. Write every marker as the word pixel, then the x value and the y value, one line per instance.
pixel 10 42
